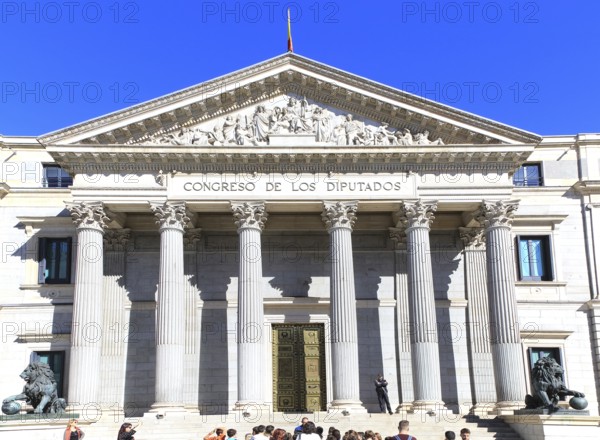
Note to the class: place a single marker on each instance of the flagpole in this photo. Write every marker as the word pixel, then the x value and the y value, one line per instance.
pixel 290 46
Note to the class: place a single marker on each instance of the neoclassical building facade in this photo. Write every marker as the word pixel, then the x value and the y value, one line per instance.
pixel 279 236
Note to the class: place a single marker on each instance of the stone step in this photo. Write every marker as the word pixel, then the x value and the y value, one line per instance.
pixel 195 427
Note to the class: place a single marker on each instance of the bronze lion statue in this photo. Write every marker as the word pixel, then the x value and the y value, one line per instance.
pixel 40 390
pixel 548 385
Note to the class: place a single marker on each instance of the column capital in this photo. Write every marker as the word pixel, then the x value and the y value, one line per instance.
pixel 339 214
pixel 190 238
pixel 89 215
pixel 398 236
pixel 249 215
pixel 415 214
pixel 472 237
pixel 171 215
pixel 116 240
pixel 499 213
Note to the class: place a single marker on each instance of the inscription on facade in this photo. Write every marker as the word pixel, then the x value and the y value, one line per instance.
pixel 294 186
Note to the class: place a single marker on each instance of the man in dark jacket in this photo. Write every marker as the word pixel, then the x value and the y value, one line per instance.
pixel 382 394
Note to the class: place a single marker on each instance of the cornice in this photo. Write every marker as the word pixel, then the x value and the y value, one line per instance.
pixel 92 159
pixel 4 190
pixel 587 187
pixel 349 92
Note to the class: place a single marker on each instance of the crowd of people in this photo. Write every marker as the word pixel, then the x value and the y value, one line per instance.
pixel 309 431
pixel 306 431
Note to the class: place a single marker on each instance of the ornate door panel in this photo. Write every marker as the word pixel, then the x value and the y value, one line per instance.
pixel 298 367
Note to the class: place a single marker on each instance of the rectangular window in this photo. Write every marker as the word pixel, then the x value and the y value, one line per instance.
pixel 56 177
pixel 534 258
pixel 55 260
pixel 56 362
pixel 536 353
pixel 530 174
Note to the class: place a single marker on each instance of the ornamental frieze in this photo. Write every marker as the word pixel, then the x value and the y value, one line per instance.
pixel 295 116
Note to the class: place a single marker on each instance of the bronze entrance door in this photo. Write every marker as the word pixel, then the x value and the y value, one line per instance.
pixel 299 367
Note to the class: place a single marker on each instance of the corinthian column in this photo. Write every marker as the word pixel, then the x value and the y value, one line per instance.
pixel 170 309
pixel 339 218
pixel 496 218
pixel 250 219
pixel 416 218
pixel 86 333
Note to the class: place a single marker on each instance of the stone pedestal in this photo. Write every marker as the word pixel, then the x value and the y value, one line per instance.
pixel 554 427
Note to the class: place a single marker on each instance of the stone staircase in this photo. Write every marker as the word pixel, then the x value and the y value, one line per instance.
pixel 194 427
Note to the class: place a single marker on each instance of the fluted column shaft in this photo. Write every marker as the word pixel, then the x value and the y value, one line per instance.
pixel 192 327
pixel 115 329
pixel 86 332
pixel 416 217
pixel 403 323
pixel 170 307
pixel 250 219
pixel 484 390
pixel 496 217
pixel 339 218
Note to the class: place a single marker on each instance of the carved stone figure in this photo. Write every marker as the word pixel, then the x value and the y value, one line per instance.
pixel 548 385
pixel 229 129
pixel 423 139
pixel 40 390
pixel 353 130
pixel 296 117
pixel 404 138
pixel 321 125
pixel 262 123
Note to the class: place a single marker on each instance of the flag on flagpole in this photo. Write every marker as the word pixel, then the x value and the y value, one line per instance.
pixel 290 45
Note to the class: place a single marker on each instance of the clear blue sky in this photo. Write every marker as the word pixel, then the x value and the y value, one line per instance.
pixel 530 64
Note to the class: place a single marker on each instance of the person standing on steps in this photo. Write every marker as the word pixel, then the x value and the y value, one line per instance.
pixel 403 428
pixel 127 431
pixel 73 432
pixel 382 394
pixel 465 434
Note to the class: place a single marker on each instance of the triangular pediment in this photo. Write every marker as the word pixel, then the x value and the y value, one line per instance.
pixel 290 97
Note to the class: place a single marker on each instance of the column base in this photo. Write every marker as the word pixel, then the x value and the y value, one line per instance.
pixel 507 407
pixel 347 407
pixel 164 408
pixel 251 409
pixel 404 408
pixel 429 406
pixel 482 409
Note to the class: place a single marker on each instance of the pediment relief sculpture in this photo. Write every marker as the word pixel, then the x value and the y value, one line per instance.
pixel 297 117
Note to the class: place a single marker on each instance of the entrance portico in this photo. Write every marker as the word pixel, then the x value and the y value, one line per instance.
pixel 302 195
